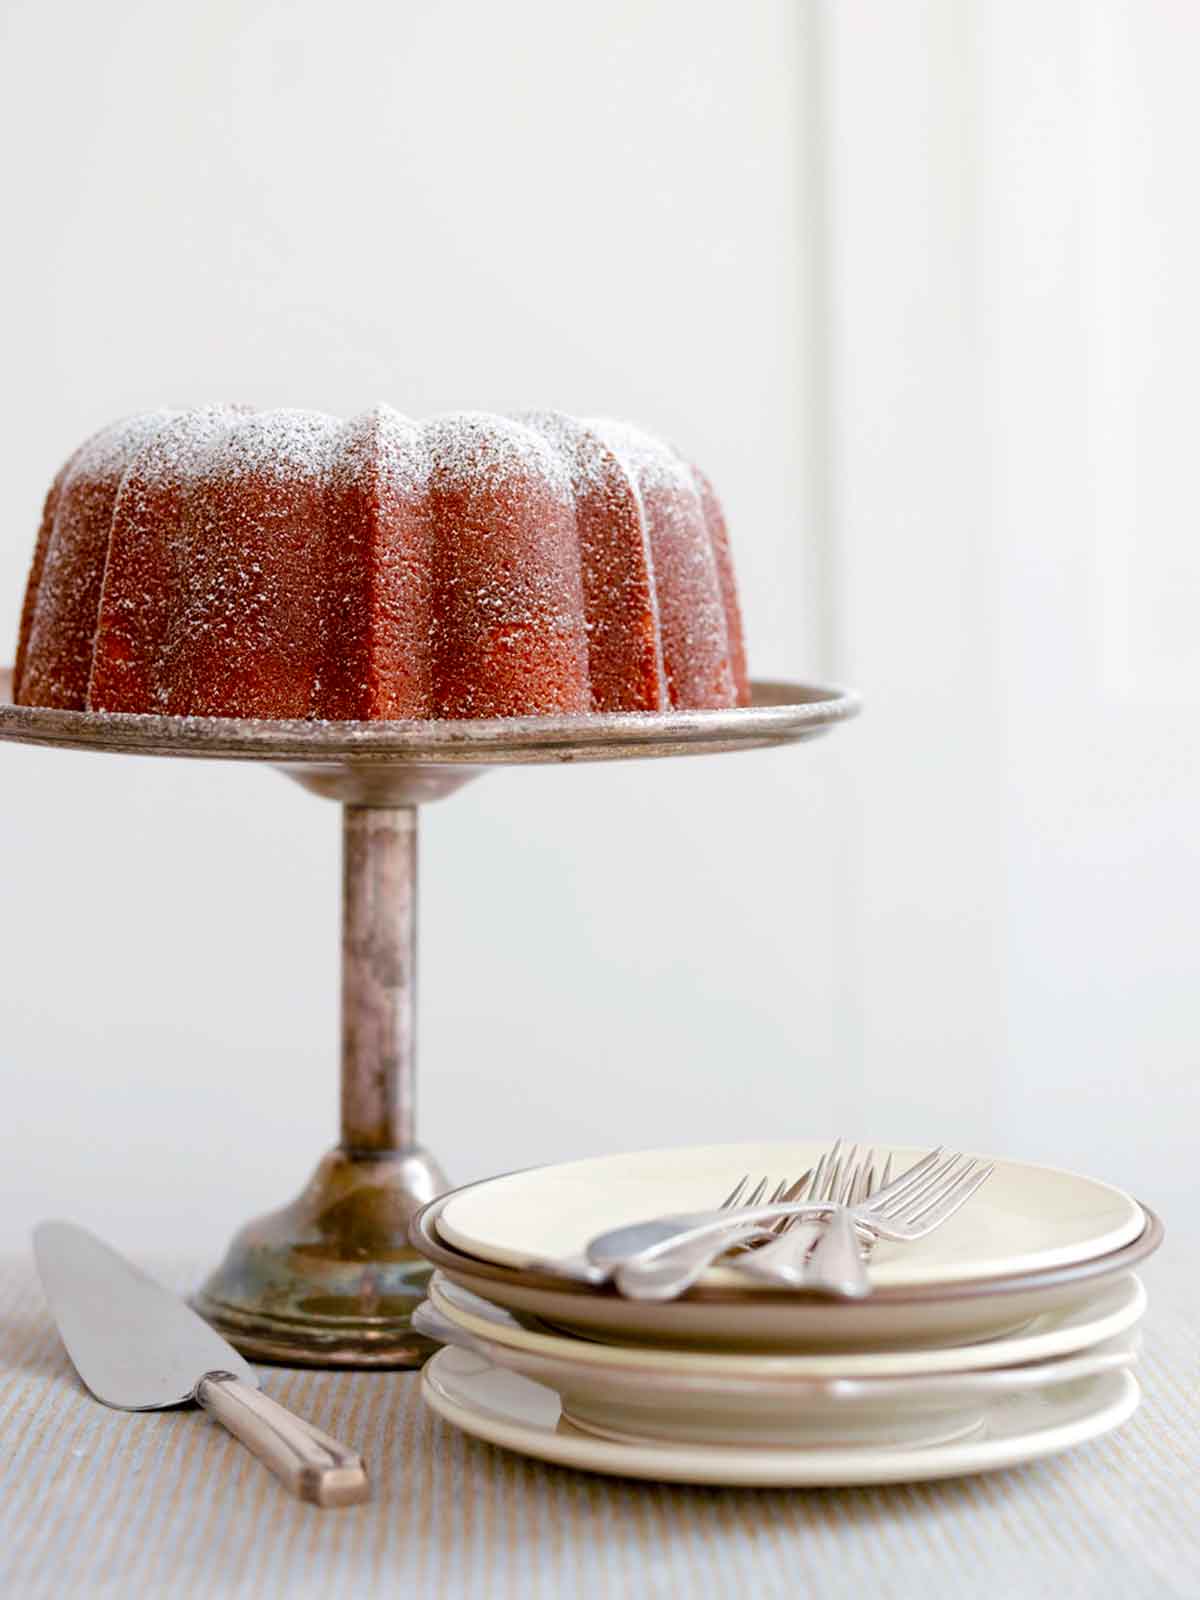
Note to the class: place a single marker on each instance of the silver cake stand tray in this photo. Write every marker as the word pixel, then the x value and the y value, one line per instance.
pixel 331 1279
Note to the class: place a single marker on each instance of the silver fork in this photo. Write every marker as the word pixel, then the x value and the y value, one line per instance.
pixel 615 1246
pixel 783 1259
pixel 667 1273
pixel 835 1181
pixel 654 1238
pixel 906 1210
pixel 837 1264
pixel 926 1203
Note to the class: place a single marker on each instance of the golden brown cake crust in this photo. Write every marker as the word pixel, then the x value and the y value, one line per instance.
pixel 227 562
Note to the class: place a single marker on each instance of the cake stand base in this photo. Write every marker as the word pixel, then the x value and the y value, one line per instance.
pixel 330 1280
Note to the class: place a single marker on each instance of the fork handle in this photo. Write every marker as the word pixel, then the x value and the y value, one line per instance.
pixel 666 1277
pixel 783 1260
pixel 576 1266
pixel 836 1266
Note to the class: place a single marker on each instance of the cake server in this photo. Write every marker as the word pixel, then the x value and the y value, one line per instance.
pixel 140 1348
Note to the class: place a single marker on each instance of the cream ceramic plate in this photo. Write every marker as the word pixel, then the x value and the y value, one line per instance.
pixel 751 1407
pixel 1026 1218
pixel 505 1409
pixel 731 1320
pixel 1110 1310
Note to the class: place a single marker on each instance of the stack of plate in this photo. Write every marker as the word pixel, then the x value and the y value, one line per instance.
pixel 1004 1336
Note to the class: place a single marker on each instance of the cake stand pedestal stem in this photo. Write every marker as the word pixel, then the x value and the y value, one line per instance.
pixel 379 961
pixel 332 1280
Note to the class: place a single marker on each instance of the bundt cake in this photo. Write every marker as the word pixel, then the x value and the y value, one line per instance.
pixel 236 563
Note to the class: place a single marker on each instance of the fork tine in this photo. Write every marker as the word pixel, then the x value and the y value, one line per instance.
pixel 917 1209
pixel 866 1179
pixel 860 1170
pixel 818 1177
pixel 794 1191
pixel 776 1194
pixel 833 1169
pixel 929 1192
pixel 822 1177
pixel 895 1187
pixel 844 1166
pixel 849 1177
pixel 902 1204
pixel 836 1157
pixel 887 1172
pixel 917 1201
pixel 956 1197
pixel 912 1185
pixel 735 1197
pixel 802 1186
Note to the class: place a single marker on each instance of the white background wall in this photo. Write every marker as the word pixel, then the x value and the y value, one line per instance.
pixel 914 284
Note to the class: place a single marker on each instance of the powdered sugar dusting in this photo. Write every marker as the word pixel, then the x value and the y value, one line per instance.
pixel 695 635
pixel 654 464
pixel 174 451
pixel 492 451
pixel 232 562
pixel 383 444
pixel 107 453
pixel 62 628
pixel 508 616
pixel 246 625
pixel 277 446
pixel 620 603
pixel 588 459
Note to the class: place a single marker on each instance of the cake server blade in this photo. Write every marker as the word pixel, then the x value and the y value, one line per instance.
pixel 134 1344
pixel 139 1348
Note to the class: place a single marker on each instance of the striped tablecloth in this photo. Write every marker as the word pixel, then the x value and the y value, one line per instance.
pixel 98 1502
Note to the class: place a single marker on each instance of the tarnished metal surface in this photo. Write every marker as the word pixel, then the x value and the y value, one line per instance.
pixel 332 1279
pixel 379 954
pixel 782 713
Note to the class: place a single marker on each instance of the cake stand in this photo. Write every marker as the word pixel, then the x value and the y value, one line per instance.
pixel 331 1279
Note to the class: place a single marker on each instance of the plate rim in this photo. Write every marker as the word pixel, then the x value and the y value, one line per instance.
pixel 812 1467
pixel 428 1242
pixel 801 1366
pixel 967 1389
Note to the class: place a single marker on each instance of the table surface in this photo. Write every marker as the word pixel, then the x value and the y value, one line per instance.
pixel 98 1502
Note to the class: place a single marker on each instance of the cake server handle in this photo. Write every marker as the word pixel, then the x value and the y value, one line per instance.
pixel 309 1463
